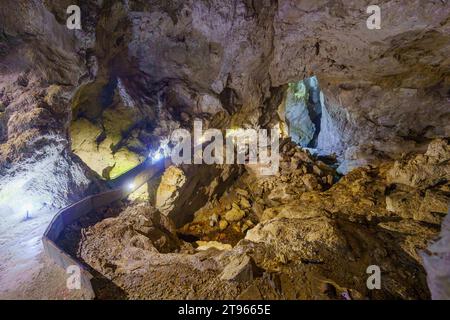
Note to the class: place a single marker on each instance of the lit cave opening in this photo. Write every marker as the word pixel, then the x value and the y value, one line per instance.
pixel 302 112
pixel 105 129
pixel 305 119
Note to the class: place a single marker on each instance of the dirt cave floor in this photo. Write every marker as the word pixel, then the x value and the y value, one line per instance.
pixel 303 234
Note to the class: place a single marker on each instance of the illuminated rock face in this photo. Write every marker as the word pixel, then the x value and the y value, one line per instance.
pixel 99 154
pixel 168 191
pixel 38 76
pixel 301 128
pixel 303 112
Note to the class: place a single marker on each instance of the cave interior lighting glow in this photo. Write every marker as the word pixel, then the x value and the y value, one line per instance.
pixel 130 186
pixel 161 152
pixel 27 209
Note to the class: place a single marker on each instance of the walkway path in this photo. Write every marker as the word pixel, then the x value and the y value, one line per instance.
pixel 24 273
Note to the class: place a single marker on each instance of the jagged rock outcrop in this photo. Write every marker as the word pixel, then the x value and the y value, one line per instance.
pixel 185 189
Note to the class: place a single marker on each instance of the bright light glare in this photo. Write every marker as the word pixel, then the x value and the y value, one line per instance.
pixel 130 186
pixel 27 207
pixel 162 152
pixel 157 156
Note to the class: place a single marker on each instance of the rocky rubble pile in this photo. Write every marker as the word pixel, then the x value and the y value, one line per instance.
pixel 251 198
pixel 354 224
pixel 138 255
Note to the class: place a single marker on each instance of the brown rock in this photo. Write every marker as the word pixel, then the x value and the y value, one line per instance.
pixel 234 215
pixel 310 182
pixel 242 192
pixel 241 269
pixel 223 224
pixel 244 203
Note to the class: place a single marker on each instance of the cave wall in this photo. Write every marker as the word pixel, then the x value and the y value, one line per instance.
pixel 41 64
pixel 387 90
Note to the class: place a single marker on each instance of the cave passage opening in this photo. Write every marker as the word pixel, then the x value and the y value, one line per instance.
pixel 108 131
pixel 305 118
pixel 301 111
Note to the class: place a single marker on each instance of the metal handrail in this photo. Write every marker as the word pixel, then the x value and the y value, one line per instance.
pixel 135 177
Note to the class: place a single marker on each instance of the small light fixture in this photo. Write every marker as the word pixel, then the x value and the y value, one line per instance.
pixel 160 153
pixel 130 186
pixel 28 207
pixel 157 156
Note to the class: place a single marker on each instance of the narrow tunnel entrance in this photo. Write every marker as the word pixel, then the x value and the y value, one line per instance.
pixel 302 112
pixel 306 119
